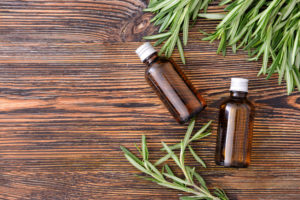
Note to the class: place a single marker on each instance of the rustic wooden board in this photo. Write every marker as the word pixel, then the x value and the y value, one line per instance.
pixel 72 91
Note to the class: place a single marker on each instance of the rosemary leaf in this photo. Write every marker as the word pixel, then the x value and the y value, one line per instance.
pixel 144 148
pixel 176 179
pixel 163 159
pixel 180 49
pixel 138 148
pixel 158 6
pixel 221 194
pixel 201 181
pixel 189 132
pixel 134 163
pixel 158 36
pixel 173 147
pixel 172 4
pixel 128 153
pixel 186 28
pixel 177 187
pixel 174 157
pixel 204 128
pixel 214 16
pixel 197 158
pixel 154 169
pixel 168 169
pixel 148 178
pixel 203 135
pixel 191 198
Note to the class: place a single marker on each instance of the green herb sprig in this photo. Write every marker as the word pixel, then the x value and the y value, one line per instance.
pixel 266 28
pixel 173 17
pixel 165 176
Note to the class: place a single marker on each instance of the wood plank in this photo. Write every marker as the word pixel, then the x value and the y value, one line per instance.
pixel 72 91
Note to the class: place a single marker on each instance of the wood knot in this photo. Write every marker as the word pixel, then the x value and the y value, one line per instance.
pixel 294 101
pixel 141 23
pixel 136 28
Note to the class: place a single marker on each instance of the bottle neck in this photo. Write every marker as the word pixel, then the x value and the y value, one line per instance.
pixel 238 94
pixel 151 59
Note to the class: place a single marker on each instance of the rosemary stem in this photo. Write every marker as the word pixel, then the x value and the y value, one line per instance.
pixel 205 192
pixel 166 178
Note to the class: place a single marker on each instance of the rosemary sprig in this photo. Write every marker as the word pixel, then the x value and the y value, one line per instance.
pixel 174 17
pixel 266 28
pixel 165 176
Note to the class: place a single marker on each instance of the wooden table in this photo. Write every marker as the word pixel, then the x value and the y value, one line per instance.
pixel 73 91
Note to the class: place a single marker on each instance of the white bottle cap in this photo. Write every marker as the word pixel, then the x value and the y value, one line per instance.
pixel 145 50
pixel 239 84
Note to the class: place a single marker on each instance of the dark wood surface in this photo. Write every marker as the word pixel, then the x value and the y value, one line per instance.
pixel 72 91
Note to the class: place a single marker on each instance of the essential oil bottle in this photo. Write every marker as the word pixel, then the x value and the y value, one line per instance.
pixel 235 127
pixel 171 85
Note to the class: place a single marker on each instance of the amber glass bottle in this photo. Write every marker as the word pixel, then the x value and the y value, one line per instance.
pixel 171 85
pixel 235 127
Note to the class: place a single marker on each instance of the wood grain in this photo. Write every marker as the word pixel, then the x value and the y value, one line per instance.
pixel 72 91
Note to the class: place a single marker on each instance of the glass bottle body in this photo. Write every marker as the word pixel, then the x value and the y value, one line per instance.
pixel 235 129
pixel 173 88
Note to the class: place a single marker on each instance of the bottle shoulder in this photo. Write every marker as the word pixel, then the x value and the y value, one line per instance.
pixel 159 64
pixel 237 102
pixel 250 103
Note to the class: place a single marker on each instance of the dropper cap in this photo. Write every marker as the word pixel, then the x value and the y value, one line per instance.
pixel 145 50
pixel 239 84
